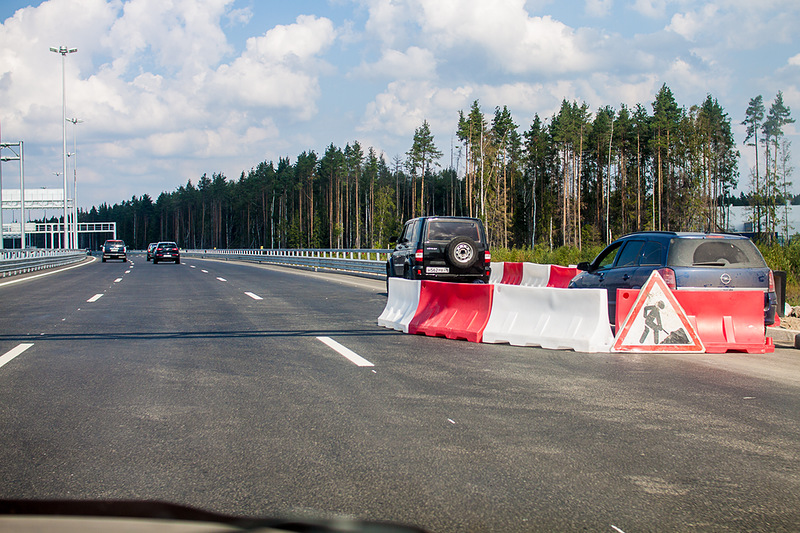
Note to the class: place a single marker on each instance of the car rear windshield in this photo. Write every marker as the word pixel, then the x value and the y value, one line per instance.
pixel 447 230
pixel 168 245
pixel 715 252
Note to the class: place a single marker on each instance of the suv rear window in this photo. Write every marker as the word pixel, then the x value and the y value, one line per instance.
pixel 729 253
pixel 447 230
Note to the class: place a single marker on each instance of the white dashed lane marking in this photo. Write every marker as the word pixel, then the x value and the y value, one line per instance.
pixel 94 298
pixel 349 354
pixel 11 354
pixel 254 296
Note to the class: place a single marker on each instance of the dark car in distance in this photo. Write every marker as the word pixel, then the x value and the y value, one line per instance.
pixel 166 251
pixel 714 261
pixel 442 249
pixel 150 248
pixel 115 249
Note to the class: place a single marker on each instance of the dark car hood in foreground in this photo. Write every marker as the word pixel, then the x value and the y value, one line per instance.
pixel 79 515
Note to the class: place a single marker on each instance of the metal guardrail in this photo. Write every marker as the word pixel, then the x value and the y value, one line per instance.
pixel 21 261
pixel 344 260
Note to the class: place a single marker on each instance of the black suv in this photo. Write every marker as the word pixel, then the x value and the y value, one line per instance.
pixel 442 249
pixel 114 249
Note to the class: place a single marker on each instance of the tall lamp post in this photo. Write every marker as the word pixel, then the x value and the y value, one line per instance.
pixel 75 121
pixel 63 50
pixel 58 232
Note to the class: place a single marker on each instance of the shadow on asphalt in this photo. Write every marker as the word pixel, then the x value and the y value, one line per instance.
pixel 240 334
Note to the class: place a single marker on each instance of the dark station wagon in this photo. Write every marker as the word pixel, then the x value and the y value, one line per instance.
pixel 443 249
pixel 685 261
pixel 166 251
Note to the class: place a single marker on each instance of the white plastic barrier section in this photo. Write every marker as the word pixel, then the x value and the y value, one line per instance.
pixel 535 275
pixel 497 273
pixel 551 318
pixel 401 305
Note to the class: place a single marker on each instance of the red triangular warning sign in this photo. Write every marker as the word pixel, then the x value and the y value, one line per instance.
pixel 657 323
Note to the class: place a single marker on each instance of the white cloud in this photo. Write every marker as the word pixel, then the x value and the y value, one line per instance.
pixel 387 19
pixel 689 24
pixel 278 69
pixel 650 8
pixel 505 31
pixel 182 35
pixel 794 60
pixel 413 63
pixel 402 107
pixel 598 8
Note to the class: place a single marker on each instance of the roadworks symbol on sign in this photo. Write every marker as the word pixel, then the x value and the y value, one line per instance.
pixel 657 323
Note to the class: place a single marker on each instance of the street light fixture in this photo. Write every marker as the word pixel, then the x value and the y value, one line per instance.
pixel 75 122
pixel 63 50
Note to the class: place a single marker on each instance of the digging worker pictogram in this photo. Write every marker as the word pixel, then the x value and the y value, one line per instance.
pixel 652 321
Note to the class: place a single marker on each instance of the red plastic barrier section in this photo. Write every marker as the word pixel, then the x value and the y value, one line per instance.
pixel 452 310
pixel 725 320
pixel 561 276
pixel 512 273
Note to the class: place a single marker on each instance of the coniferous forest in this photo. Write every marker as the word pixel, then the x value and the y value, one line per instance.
pixel 580 177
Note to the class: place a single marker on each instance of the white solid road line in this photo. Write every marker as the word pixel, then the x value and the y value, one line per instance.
pixel 222 279
pixel 352 356
pixel 11 354
pixel 94 298
pixel 254 296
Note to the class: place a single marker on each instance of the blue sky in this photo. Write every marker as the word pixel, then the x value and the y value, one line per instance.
pixel 171 89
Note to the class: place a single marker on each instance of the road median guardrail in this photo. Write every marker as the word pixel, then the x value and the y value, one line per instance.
pixel 359 261
pixel 13 262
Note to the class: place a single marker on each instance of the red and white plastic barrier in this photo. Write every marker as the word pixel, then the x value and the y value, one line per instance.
pixel 523 316
pixel 552 318
pixel 724 320
pixel 577 319
pixel 452 310
pixel 560 276
pixel 532 274
pixel 401 305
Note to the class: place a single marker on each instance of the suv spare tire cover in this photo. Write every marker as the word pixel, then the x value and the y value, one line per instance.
pixel 462 252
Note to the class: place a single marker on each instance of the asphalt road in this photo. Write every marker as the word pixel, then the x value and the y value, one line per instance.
pixel 177 385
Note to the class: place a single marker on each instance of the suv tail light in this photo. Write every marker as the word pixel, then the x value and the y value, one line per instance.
pixel 418 255
pixel 771 282
pixel 669 277
pixel 487 257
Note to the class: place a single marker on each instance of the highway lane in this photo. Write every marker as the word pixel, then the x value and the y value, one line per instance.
pixel 177 385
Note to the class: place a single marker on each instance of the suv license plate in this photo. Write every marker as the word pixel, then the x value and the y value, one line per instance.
pixel 437 270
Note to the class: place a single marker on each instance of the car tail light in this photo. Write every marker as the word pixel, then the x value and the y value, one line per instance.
pixel 669 277
pixel 418 255
pixel 771 282
pixel 487 257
